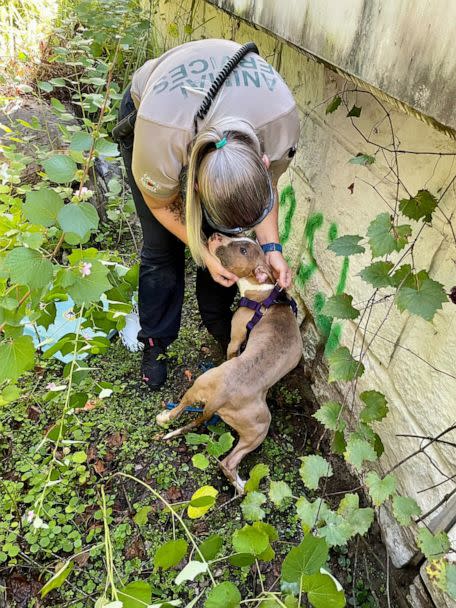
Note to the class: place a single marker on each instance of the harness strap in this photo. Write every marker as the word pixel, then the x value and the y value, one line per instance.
pixel 277 296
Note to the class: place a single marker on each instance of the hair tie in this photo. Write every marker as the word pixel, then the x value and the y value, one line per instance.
pixel 221 143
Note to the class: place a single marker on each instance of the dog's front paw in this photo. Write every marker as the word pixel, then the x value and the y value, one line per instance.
pixel 162 419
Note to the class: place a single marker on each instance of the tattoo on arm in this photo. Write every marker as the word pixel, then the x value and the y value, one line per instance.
pixel 177 209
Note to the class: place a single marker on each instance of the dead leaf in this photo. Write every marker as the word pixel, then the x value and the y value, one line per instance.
pixel 91 453
pixel 90 404
pixel 33 413
pixel 20 590
pixel 99 467
pixel 351 187
pixel 82 558
pixel 116 439
pixel 188 374
pixel 135 549
pixel 173 494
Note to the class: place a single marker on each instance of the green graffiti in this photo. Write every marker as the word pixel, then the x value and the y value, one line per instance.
pixel 332 233
pixel 306 270
pixel 287 201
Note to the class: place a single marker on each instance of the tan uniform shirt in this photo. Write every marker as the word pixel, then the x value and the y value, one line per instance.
pixel 168 91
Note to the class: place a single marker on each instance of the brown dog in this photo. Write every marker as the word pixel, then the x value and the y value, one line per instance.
pixel 236 390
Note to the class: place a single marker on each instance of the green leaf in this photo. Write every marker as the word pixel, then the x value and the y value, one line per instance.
pixel 279 491
pixel 210 547
pixel 258 472
pixel 433 546
pixel 340 307
pixel 347 245
pixel 28 267
pixel 404 508
pixel 56 581
pixel 322 591
pixel 250 539
pixel 380 489
pixel 195 512
pixel 45 86
pixel 376 406
pixel 313 468
pixel 60 169
pixel 377 274
pixel 330 416
pixel 355 111
pixel 106 148
pixel 359 520
pixel 196 439
pixel 311 513
pixel 81 141
pixel 404 277
pixel 385 237
pixel 222 445
pixel 251 506
pixel 200 461
pixel 241 560
pixel 191 571
pixel 170 554
pixel 307 558
pixel 42 206
pixel 9 394
pixel 338 443
pixel 268 529
pixel 422 205
pixel 223 595
pixel 362 159
pixel 136 595
pixel 336 530
pixel 16 356
pixel 451 580
pixel 79 457
pixel 78 218
pixel 86 289
pixel 359 450
pixel 342 366
pixel 333 105
pixel 140 518
pixel 424 301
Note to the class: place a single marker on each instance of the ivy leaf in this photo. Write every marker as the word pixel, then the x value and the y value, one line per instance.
pixel 322 591
pixel 311 513
pixel 359 520
pixel 278 491
pixel 336 530
pixel 42 206
pixel 385 237
pixel 359 450
pixel 223 595
pixel 170 554
pixel 136 595
pixel 424 300
pixel 404 508
pixel 333 105
pixel 28 267
pixel 313 468
pixel 376 406
pixel 340 307
pixel 86 289
pixel 355 111
pixel 330 416
pixel 377 274
pixel 307 558
pixel 251 506
pixel 342 366
pixel 17 356
pixel 210 547
pixel 250 539
pixel 200 461
pixel 347 245
pixel 57 580
pixel 362 159
pixel 78 218
pixel 191 571
pixel 380 489
pixel 432 546
pixel 60 168
pixel 257 473
pixel 422 205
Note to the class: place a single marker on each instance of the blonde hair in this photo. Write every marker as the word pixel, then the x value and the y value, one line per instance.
pixel 232 182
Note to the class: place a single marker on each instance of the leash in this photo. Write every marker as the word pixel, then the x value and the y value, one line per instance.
pixel 199 410
pixel 277 296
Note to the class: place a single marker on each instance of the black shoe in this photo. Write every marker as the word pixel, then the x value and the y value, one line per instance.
pixel 153 366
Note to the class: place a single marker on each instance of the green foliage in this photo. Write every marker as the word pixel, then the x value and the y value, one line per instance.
pixel 251 506
pixel 135 594
pixel 330 415
pixel 404 508
pixel 376 407
pixel 342 366
pixel 322 591
pixel 278 492
pixel 58 579
pixel 420 206
pixel 377 274
pixel 170 554
pixel 333 105
pixel 312 469
pixel 223 595
pixel 385 237
pixel 307 558
pixel 340 307
pixel 42 206
pixel 433 545
pixel 60 169
pixel 347 245
pixel 380 488
pixel 423 299
pixel 358 451
pixel 362 159
pixel 259 472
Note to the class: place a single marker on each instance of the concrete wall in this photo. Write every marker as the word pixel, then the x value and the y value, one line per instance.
pixel 411 361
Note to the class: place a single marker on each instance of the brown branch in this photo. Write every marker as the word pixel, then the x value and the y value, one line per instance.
pixel 435 507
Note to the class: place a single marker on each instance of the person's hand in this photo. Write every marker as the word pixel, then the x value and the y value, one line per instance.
pixel 220 274
pixel 280 268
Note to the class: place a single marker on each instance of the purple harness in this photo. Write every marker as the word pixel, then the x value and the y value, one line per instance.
pixel 277 296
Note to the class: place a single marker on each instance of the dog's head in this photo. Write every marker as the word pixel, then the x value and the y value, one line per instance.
pixel 241 256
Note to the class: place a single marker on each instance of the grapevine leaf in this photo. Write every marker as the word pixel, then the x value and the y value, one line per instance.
pixel 403 277
pixel 376 407
pixel 342 366
pixel 257 473
pixel 78 218
pixel 362 159
pixel 223 595
pixel 311 513
pixel 384 237
pixel 422 205
pixel 307 558
pixel 340 307
pixel 433 546
pixel 404 508
pixel 338 443
pixel 359 520
pixel 250 539
pixel 347 245
pixel 42 206
pixel 16 356
pixel 424 301
pixel 60 168
pixel 28 267
pixel 170 554
pixel 377 274
pixel 380 489
pixel 359 450
pixel 278 491
pixel 330 417
pixel 337 531
pixel 322 591
pixel 251 506
pixel 333 105
pixel 313 468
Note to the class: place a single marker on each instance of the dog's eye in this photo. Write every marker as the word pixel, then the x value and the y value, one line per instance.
pixel 243 250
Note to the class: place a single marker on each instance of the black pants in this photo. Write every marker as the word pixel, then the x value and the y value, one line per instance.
pixel 162 270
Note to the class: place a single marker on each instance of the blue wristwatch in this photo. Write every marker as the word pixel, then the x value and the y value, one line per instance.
pixel 271 247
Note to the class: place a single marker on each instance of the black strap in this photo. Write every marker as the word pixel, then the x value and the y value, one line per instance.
pixel 249 47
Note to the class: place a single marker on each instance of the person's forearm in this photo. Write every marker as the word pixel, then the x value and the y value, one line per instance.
pixel 172 219
pixel 268 230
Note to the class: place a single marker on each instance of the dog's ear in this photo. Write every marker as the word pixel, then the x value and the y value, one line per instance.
pixel 262 274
